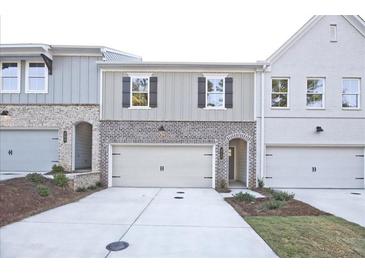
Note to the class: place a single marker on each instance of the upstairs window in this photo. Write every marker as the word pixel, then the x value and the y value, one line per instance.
pixel 215 92
pixel 315 93
pixel 10 77
pixel 140 92
pixel 36 77
pixel 333 33
pixel 279 92
pixel 350 93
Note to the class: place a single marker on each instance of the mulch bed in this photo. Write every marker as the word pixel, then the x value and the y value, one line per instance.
pixel 19 199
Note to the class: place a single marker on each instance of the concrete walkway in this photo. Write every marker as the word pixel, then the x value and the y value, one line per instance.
pixel 151 220
pixel 345 203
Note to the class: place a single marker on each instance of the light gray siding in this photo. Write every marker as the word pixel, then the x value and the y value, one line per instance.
pixel 177 99
pixel 83 146
pixel 74 81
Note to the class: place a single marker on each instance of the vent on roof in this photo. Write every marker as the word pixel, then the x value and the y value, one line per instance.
pixel 333 33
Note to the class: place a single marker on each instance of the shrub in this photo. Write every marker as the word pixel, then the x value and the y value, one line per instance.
pixel 99 184
pixel 272 204
pixel 245 197
pixel 223 184
pixel 282 196
pixel 260 182
pixel 92 187
pixel 57 169
pixel 60 179
pixel 35 178
pixel 42 190
pixel 80 189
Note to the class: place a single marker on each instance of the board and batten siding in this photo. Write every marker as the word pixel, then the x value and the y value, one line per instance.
pixel 74 81
pixel 177 99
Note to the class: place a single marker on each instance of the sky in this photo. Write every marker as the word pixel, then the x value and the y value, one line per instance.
pixel 167 30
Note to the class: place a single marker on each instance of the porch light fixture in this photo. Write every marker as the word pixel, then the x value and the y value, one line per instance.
pixel 161 129
pixel 4 113
pixel 319 129
pixel 221 153
pixel 65 136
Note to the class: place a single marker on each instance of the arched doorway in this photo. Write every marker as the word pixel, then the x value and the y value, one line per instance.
pixel 237 163
pixel 83 146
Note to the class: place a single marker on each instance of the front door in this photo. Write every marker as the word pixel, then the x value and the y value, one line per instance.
pixel 231 153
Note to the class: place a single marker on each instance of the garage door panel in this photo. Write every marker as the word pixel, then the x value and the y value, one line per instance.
pixel 28 150
pixel 162 166
pixel 315 167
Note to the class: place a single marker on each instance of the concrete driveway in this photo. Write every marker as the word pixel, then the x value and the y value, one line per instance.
pixel 345 203
pixel 150 220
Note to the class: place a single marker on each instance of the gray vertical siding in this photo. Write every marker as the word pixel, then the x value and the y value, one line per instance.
pixel 74 81
pixel 177 99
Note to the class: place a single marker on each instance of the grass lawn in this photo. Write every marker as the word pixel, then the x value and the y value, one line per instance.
pixel 310 236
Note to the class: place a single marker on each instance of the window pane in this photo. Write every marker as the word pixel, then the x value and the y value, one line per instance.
pixel 350 86
pixel 36 84
pixel 140 84
pixel 279 100
pixel 215 85
pixel 280 85
pixel 9 84
pixel 314 100
pixel 315 85
pixel 140 99
pixel 37 70
pixel 350 101
pixel 10 70
pixel 215 100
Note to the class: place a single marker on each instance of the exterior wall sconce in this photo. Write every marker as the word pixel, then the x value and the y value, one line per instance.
pixel 65 136
pixel 161 129
pixel 4 113
pixel 319 129
pixel 221 153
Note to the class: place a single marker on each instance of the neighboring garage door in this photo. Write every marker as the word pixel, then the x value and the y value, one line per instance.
pixel 315 167
pixel 28 150
pixel 162 166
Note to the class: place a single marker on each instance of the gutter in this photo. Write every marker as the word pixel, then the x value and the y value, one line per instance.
pixel 262 128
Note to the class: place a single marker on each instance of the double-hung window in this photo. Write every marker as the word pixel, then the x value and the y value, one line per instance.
pixel 350 93
pixel 36 77
pixel 315 93
pixel 215 92
pixel 10 77
pixel 140 87
pixel 279 92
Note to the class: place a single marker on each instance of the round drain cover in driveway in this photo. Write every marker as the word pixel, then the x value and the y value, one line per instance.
pixel 180 192
pixel 178 197
pixel 116 246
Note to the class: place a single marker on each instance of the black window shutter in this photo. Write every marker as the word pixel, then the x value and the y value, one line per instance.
pixel 153 92
pixel 229 92
pixel 201 92
pixel 126 92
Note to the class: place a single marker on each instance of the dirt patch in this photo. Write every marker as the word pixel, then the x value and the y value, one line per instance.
pixel 19 198
pixel 290 208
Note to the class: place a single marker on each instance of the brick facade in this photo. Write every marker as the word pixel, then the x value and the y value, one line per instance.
pixel 61 117
pixel 218 133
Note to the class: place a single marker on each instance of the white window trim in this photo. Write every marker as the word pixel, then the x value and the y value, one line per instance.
pixel 358 94
pixel 131 92
pixel 323 93
pixel 19 77
pixel 27 90
pixel 215 76
pixel 288 93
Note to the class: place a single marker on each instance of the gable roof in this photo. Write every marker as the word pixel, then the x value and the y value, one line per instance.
pixel 355 20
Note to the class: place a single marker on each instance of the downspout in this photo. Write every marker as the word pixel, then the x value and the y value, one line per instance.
pixel 262 129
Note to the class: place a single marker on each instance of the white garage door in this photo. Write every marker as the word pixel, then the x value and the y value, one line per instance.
pixel 162 166
pixel 315 167
pixel 28 150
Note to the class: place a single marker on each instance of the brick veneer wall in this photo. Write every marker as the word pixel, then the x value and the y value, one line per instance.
pixel 218 133
pixel 61 117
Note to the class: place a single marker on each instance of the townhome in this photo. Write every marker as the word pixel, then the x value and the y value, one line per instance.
pixel 312 101
pixel 49 106
pixel 294 120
